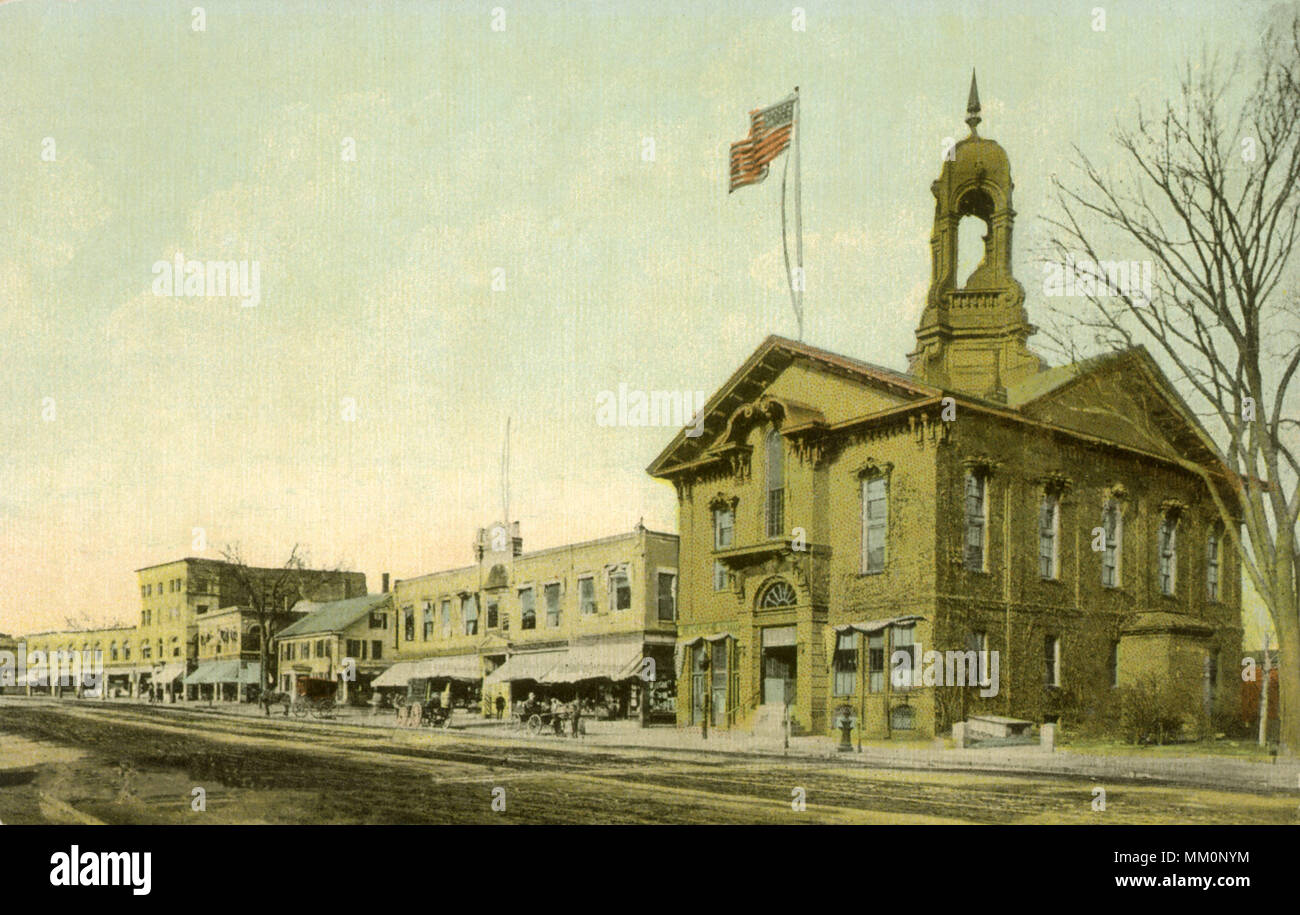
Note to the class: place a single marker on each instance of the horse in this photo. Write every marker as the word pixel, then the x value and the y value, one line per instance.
pixel 272 697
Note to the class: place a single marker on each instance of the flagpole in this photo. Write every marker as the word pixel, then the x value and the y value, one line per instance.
pixel 798 213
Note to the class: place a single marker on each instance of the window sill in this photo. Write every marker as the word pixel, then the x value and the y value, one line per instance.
pixel 871 572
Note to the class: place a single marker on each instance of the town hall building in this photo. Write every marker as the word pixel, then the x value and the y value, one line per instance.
pixel 840 521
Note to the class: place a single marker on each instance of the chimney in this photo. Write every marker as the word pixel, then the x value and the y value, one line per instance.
pixel 385 582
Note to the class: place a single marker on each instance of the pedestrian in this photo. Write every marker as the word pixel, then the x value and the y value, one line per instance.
pixel 501 705
pixel 577 715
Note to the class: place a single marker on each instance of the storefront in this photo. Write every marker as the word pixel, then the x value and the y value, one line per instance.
pixel 229 680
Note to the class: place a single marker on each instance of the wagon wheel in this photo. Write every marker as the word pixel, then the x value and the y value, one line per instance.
pixel 535 725
pixel 300 708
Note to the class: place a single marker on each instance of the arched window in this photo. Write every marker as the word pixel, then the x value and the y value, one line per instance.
pixel 781 594
pixel 775 484
pixel 974 229
pixel 112 651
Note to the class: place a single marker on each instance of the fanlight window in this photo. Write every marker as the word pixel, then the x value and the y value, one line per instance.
pixel 780 594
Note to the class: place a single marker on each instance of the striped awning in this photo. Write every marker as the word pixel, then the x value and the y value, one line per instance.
pixel 467 667
pixel 528 665
pixel 606 659
pixel 232 670
pixel 873 626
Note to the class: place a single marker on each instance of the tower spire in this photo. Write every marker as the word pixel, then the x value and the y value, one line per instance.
pixel 973 103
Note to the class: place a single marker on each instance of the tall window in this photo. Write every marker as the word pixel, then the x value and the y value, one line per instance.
pixel 552 595
pixel 667 596
pixel 699 681
pixel 875 521
pixel 408 623
pixel 976 520
pixel 1212 563
pixel 903 660
pixel 724 522
pixel 1048 522
pixel 775 484
pixel 1052 657
pixel 1168 552
pixel 1112 664
pixel 876 662
pixel 1112 524
pixel 719 699
pixel 528 612
pixel 469 613
pixel 846 664
pixel 620 589
pixel 445 611
pixel 427 628
pixel 587 595
pixel 493 614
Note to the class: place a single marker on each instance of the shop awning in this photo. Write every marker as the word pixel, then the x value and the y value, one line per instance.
pixel 528 665
pixel 448 667
pixel 166 673
pixel 873 626
pixel 397 675
pixel 602 660
pixel 716 637
pixel 232 670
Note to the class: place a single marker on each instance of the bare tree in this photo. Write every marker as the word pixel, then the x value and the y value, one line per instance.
pixel 1207 191
pixel 269 594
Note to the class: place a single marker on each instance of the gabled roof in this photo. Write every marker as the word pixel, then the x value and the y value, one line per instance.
pixel 1178 423
pixel 331 616
pixel 772 357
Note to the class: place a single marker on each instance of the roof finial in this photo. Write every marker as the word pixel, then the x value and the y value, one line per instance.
pixel 973 103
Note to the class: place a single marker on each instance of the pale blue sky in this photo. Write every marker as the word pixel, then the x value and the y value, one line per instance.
pixel 475 150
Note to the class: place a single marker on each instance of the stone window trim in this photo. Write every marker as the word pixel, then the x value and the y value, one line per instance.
pixel 1171 512
pixel 1117 496
pixel 720 500
pixel 870 470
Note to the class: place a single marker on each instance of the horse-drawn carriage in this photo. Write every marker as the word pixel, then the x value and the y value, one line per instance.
pixel 537 717
pixel 422 706
pixel 315 697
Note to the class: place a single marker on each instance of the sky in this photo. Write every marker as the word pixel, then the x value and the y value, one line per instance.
pixel 501 246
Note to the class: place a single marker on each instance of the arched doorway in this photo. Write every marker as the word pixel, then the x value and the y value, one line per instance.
pixel 779 646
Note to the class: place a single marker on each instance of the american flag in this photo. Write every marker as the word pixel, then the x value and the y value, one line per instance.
pixel 769 136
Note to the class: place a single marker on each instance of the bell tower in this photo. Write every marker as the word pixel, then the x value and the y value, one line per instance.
pixel 972 337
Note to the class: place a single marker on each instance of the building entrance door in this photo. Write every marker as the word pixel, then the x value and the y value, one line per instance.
pixel 779 668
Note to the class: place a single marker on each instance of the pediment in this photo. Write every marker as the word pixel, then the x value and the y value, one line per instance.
pixel 1121 397
pixel 799 387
